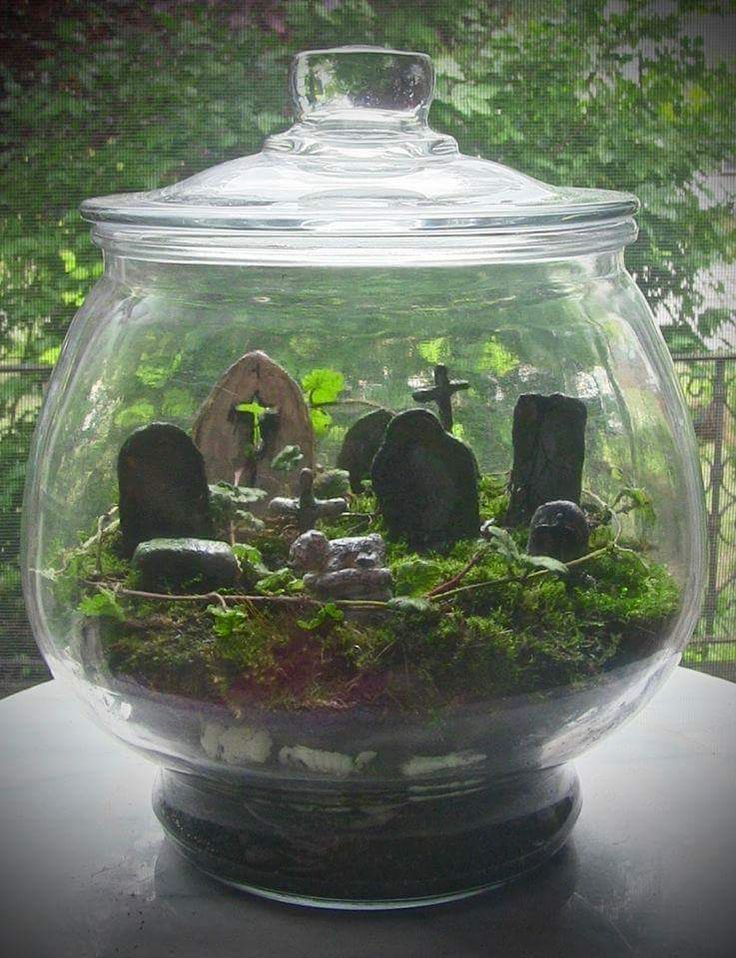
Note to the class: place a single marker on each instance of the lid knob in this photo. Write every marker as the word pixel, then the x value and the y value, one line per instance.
pixel 327 83
pixel 362 105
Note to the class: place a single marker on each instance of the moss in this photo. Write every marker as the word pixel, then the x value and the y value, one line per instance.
pixel 518 631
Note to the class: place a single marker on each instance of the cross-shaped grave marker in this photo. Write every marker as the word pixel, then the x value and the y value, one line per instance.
pixel 306 508
pixel 442 392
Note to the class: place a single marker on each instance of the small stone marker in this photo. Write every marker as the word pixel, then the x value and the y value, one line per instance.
pixel 441 393
pixel 361 443
pixel 163 487
pixel 549 449
pixel 349 568
pixel 189 565
pixel 558 529
pixel 237 448
pixel 426 482
pixel 306 509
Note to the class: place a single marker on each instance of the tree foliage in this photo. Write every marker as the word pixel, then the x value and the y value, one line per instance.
pixel 132 95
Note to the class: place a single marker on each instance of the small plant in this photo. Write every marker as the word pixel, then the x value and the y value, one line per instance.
pixel 288 459
pixel 327 614
pixel 231 507
pixel 102 604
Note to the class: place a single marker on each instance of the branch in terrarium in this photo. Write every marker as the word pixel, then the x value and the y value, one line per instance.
pixel 225 599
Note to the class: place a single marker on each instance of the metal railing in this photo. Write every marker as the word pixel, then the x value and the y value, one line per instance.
pixel 709 383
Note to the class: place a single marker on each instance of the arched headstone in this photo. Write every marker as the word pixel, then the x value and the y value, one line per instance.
pixel 426 482
pixel 238 450
pixel 163 487
pixel 361 443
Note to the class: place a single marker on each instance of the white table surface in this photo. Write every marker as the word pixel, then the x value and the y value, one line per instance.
pixel 650 870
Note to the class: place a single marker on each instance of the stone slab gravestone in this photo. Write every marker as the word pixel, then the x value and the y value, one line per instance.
pixel 190 565
pixel 360 445
pixel 549 451
pixel 163 487
pixel 235 449
pixel 426 482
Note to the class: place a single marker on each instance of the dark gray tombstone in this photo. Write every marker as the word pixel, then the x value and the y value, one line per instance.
pixel 549 450
pixel 558 529
pixel 360 445
pixel 163 487
pixel 426 482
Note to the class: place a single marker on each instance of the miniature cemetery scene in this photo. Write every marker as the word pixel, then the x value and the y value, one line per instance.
pixel 240 565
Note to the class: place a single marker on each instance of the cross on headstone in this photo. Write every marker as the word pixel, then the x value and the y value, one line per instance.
pixel 306 508
pixel 441 393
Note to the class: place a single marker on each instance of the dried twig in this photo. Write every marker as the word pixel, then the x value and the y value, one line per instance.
pixel 236 599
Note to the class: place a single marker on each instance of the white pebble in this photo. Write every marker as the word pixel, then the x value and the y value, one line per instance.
pixel 427 764
pixel 237 745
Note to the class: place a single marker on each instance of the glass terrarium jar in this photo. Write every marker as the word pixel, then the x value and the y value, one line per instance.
pixel 364 499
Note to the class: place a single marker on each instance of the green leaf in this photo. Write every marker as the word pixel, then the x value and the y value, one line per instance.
pixel 545 562
pixel 257 411
pixel 435 351
pixel 711 320
pixel 137 414
pixel 227 621
pixel 229 502
pixel 103 604
pixel 416 576
pixel 323 385
pixel 49 356
pixel 327 614
pixel 288 459
pixel 497 359
pixel 321 421
pixel 446 66
pixel 156 373
pixel 280 582
pixel 250 557
pixel 632 499
pixel 502 541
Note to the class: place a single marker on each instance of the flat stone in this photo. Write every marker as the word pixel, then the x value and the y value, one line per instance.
pixel 163 487
pixel 426 482
pixel 559 529
pixel 360 445
pixel 185 565
pixel 226 435
pixel 549 451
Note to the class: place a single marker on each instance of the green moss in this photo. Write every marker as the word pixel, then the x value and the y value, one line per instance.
pixel 508 629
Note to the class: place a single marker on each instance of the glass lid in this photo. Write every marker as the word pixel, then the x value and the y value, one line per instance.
pixel 361 159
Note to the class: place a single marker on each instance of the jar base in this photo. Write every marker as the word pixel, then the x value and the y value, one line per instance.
pixel 378 848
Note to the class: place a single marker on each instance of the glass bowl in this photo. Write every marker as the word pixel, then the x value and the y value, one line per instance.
pixel 363 499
